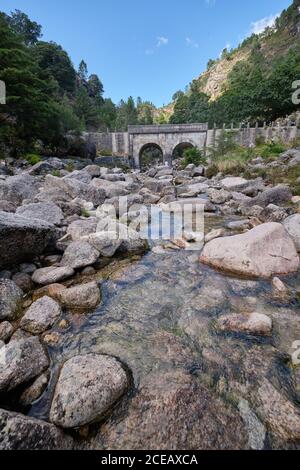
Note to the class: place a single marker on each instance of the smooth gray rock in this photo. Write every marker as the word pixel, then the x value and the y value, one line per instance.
pixel 52 275
pixel 74 188
pixel 17 188
pixel 106 242
pixel 49 212
pixel 80 175
pixel 41 315
pixel 22 239
pixel 273 213
pixel 35 390
pixel 23 281
pixel 278 195
pixel 88 386
pixel 80 297
pixel 219 196
pixel 292 225
pixel 6 330
pixel 252 323
pixel 10 299
pixel 79 255
pixel 82 227
pixel 18 432
pixel 264 251
pixel 20 362
pixel 234 183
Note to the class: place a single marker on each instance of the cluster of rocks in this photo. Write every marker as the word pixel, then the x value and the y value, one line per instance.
pixel 53 228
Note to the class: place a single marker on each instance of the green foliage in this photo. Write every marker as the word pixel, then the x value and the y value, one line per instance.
pixel 56 65
pixel 30 31
pixel 56 173
pixel 32 158
pixel 193 156
pixel 30 107
pixel 70 167
pixel 85 213
pixel 272 149
pixel 258 88
pixel 144 112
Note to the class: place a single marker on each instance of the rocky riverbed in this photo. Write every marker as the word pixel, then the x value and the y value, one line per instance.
pixel 188 343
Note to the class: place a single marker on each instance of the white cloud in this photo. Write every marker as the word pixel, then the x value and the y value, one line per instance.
pixel 259 26
pixel 191 43
pixel 162 41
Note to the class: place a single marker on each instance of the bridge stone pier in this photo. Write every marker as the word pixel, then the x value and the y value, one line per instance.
pixel 165 137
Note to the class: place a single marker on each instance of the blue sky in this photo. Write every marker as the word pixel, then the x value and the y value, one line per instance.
pixel 147 48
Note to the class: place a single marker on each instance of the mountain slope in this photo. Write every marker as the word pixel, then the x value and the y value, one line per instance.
pixel 261 57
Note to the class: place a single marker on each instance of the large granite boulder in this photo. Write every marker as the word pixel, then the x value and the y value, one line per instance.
pixel 48 212
pixel 51 275
pixel 79 255
pixel 10 299
pixel 41 315
pixel 76 189
pixel 278 195
pixel 264 251
pixel 292 226
pixel 18 432
pixel 22 239
pixel 16 189
pixel 21 361
pixel 234 183
pixel 88 386
pixel 80 297
pixel 82 227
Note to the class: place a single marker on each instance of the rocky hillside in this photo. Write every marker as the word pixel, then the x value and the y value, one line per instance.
pixel 264 50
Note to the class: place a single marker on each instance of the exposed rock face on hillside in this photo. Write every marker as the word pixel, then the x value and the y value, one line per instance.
pixel 212 81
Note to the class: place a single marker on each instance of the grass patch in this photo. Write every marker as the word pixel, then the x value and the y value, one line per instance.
pixel 32 158
pixel 70 167
pixel 85 213
pixel 271 150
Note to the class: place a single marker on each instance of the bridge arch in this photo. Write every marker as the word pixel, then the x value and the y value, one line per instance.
pixel 167 137
pixel 180 148
pixel 151 154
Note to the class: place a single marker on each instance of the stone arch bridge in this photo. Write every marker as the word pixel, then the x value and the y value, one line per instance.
pixel 167 138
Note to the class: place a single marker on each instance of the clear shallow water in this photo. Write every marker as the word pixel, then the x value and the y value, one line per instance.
pixel 192 387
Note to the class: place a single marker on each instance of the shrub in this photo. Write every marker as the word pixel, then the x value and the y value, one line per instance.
pixel 272 149
pixel 32 158
pixel 55 173
pixel 193 156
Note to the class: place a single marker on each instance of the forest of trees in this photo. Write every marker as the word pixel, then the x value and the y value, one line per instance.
pixel 258 89
pixel 47 96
